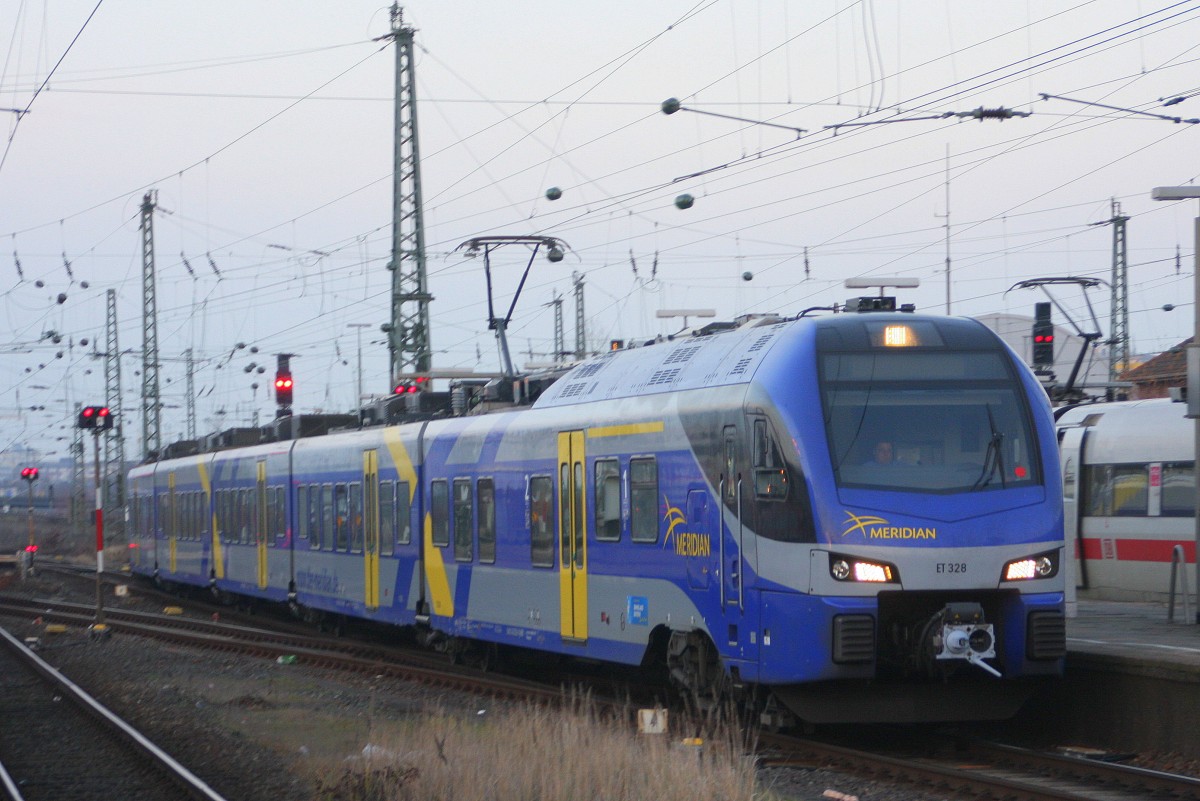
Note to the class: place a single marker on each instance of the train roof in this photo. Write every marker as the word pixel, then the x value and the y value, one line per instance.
pixel 731 357
pixel 1133 432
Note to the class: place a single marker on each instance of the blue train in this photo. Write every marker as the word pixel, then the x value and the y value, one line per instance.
pixel 852 517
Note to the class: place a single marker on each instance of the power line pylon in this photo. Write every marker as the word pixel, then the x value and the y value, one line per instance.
pixel 408 332
pixel 1118 346
pixel 151 407
pixel 580 334
pixel 114 441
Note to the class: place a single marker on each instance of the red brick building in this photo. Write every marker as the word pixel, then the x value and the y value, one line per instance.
pixel 1155 377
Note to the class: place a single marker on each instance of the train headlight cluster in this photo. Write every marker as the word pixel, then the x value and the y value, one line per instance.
pixel 845 568
pixel 1044 565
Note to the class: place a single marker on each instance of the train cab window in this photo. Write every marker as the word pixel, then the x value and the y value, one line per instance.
pixel 403 514
pixel 354 519
pixel 485 492
pixel 541 521
pixel 464 540
pixel 770 474
pixel 607 501
pixel 1178 490
pixel 643 499
pixel 439 511
pixel 387 518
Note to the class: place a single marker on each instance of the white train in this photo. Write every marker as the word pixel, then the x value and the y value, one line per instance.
pixel 1129 496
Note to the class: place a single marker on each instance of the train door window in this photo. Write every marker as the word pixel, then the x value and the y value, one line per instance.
pixel 485 491
pixel 439 511
pixel 564 510
pixel 730 435
pixel 403 514
pixel 643 499
pixel 387 518
pixel 1178 490
pixel 770 474
pixel 541 521
pixel 607 499
pixel 463 524
pixel 1096 498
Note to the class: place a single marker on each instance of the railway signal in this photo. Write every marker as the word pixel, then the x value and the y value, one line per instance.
pixel 284 385
pixel 1043 336
pixel 29 474
pixel 95 417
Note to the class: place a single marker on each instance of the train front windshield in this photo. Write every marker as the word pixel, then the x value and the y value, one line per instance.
pixel 936 421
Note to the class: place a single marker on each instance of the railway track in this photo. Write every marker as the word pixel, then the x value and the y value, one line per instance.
pixel 962 769
pixel 977 769
pixel 59 744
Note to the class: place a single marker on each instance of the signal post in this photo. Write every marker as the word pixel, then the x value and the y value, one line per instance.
pixel 98 419
pixel 29 475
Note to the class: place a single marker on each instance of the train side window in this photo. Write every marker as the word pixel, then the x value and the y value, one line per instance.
pixel 302 519
pixel 1096 499
pixel 403 514
pixel 464 541
pixel 327 517
pixel 770 474
pixel 607 501
pixel 1130 490
pixel 278 526
pixel 730 477
pixel 541 521
pixel 485 491
pixel 643 498
pixel 387 518
pixel 341 522
pixel 354 517
pixel 1178 489
pixel 439 509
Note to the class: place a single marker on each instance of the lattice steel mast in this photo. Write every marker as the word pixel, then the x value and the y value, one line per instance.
pixel 1118 348
pixel 114 441
pixel 408 332
pixel 151 405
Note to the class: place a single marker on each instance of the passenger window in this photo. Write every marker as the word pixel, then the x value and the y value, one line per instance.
pixel 485 489
pixel 643 499
pixel 303 522
pixel 278 524
pixel 387 518
pixel 341 515
pixel 1130 490
pixel 464 550
pixel 439 508
pixel 608 499
pixel 541 521
pixel 403 514
pixel 355 518
pixel 1178 490
pixel 328 517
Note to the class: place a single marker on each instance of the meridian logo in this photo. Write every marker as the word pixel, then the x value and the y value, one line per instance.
pixel 879 528
pixel 686 543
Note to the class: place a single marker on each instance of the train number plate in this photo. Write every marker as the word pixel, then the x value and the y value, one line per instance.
pixel 952 567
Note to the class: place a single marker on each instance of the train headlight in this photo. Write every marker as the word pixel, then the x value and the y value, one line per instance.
pixel 845 568
pixel 1043 565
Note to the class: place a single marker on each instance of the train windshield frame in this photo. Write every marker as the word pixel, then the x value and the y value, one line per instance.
pixel 936 421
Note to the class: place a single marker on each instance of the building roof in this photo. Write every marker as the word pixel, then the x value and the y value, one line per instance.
pixel 1170 365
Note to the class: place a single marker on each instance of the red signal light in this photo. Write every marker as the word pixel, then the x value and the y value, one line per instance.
pixel 88 411
pixel 31 549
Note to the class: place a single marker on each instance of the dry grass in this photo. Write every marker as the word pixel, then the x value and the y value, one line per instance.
pixel 534 754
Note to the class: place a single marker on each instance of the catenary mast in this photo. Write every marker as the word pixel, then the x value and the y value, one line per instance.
pixel 408 331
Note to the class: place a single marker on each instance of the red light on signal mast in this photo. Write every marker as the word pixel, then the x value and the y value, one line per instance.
pixel 88 411
pixel 31 549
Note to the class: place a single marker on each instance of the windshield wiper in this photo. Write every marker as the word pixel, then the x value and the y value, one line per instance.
pixel 993 458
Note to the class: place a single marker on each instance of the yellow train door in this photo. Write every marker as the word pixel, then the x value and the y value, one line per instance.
pixel 260 524
pixel 370 513
pixel 572 560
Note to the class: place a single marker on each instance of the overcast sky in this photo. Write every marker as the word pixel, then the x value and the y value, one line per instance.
pixel 265 129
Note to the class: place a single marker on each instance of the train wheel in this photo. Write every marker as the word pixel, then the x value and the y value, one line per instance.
pixel 695 667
